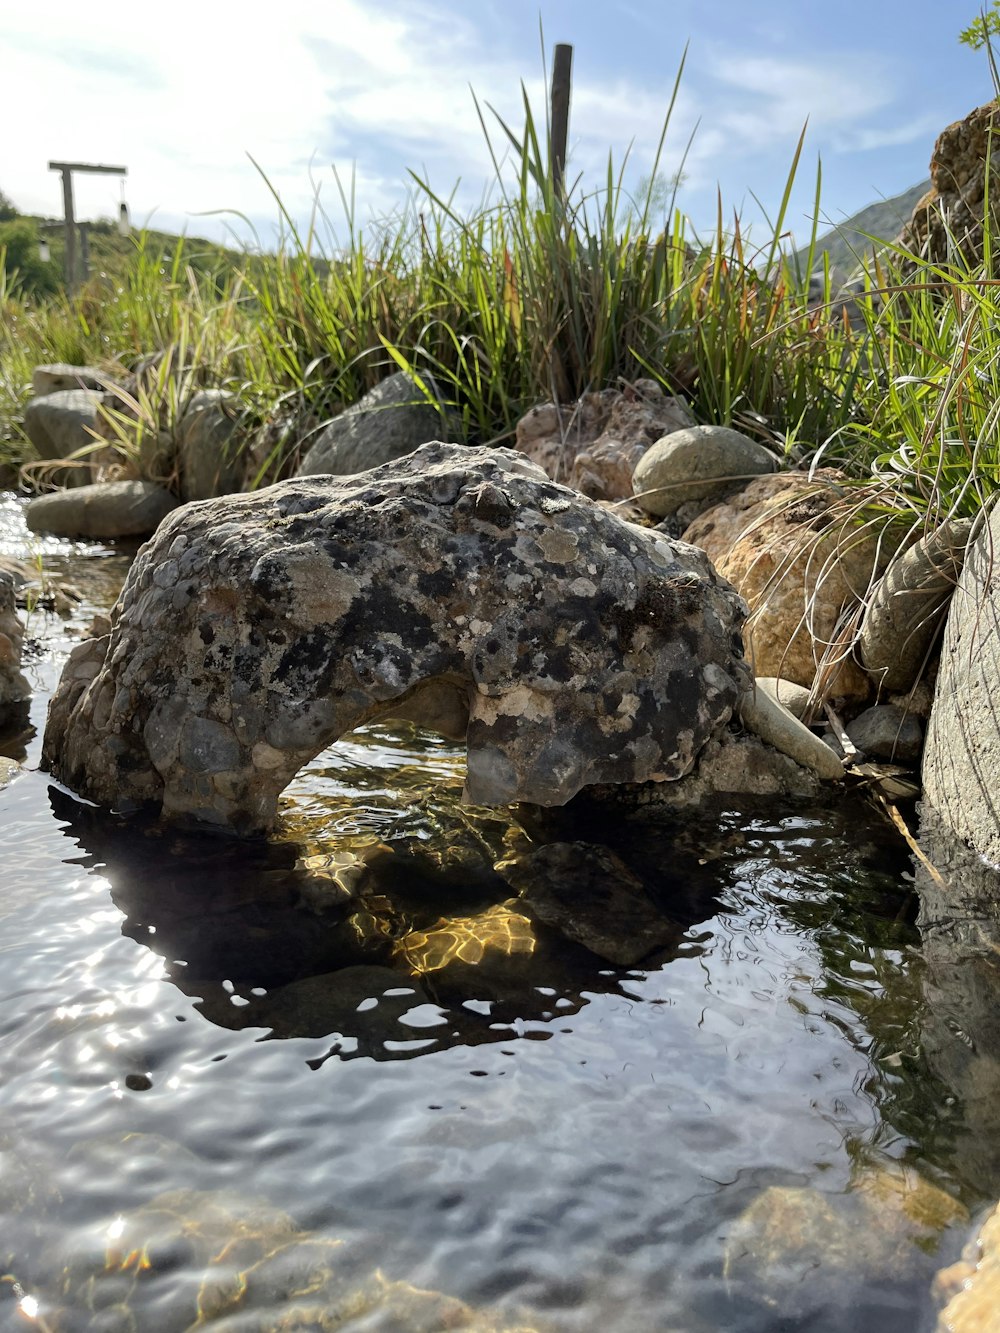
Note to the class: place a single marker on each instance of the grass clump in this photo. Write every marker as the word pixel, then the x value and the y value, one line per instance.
pixel 542 293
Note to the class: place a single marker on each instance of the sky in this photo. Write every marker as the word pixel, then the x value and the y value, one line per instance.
pixel 189 96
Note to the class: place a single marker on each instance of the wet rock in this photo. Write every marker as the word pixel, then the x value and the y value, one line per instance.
pixel 792 549
pixel 595 443
pixel 590 895
pixel 737 766
pixel 14 687
pixel 887 731
pixel 60 377
pixel 971 1287
pixel 702 463
pixel 389 422
pixel 105 509
pixel 9 770
pixel 906 610
pixel 60 425
pixel 502 929
pixel 208 444
pixel 255 630
pixel 775 724
pixel 167 1262
pixel 729 765
pixel 798 1249
pixel 962 755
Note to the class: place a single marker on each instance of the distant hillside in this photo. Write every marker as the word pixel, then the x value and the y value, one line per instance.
pixel 848 239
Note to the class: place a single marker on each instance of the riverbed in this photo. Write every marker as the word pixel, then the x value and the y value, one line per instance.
pixel 345 1078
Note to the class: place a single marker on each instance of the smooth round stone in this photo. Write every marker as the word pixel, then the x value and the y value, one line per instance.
pixel 888 732
pixel 773 723
pixel 696 464
pixel 105 509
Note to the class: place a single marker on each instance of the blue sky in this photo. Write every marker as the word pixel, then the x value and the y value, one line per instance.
pixel 181 94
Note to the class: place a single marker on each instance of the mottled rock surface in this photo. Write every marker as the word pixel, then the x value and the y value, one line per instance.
pixel 104 509
pixel 804 564
pixel 962 755
pixel 594 444
pixel 699 464
pixel 802 1251
pixel 729 765
pixel 389 422
pixel 14 687
pixel 255 630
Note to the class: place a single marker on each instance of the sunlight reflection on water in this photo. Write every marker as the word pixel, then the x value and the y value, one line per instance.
pixel 355 1052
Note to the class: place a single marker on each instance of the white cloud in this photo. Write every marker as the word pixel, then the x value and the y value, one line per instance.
pixel 182 95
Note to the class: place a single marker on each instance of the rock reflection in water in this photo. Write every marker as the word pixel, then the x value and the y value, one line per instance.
pixel 960 927
pixel 374 937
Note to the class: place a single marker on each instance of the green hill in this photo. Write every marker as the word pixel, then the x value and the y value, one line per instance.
pixel 848 241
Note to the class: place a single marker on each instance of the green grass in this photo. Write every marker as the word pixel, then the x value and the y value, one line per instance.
pixel 537 295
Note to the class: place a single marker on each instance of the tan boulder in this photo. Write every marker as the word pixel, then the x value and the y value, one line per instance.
pixel 971 1287
pixel 947 222
pixel 803 565
pixel 595 443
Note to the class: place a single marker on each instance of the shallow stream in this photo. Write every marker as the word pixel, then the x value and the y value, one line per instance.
pixel 348 1078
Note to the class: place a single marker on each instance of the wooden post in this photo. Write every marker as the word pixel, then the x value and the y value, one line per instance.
pixel 562 70
pixel 66 170
pixel 69 223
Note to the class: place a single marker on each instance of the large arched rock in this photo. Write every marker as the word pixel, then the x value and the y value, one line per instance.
pixel 456 586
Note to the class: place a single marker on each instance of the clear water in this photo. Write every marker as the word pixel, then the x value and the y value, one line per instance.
pixel 218 1059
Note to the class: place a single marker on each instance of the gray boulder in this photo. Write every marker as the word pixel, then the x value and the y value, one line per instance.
pixel 255 630
pixel 105 509
pixel 389 422
pixel 14 688
pixel 208 444
pixel 907 608
pixel 962 753
pixel 702 463
pixel 888 731
pixel 61 424
pixel 61 376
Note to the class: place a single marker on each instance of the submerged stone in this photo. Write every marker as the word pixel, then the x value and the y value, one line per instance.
pixel 591 896
pixel 255 630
